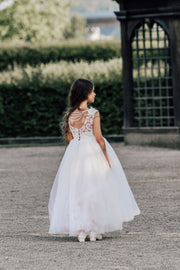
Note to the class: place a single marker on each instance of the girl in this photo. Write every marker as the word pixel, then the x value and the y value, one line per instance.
pixel 90 194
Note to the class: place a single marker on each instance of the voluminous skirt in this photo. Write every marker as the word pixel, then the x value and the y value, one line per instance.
pixel 87 194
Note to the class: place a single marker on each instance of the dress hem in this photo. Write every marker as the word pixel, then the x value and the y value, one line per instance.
pixel 113 230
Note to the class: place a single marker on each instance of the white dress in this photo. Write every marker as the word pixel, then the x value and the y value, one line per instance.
pixel 87 194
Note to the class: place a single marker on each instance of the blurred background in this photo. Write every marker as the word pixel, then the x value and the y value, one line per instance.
pixel 31 20
pixel 44 46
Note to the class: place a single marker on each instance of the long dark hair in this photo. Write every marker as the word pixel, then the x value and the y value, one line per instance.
pixel 79 91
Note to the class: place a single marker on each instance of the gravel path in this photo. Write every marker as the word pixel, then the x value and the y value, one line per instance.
pixel 151 241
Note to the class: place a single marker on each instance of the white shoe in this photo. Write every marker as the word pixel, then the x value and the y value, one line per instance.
pixel 99 236
pixel 82 236
pixel 92 236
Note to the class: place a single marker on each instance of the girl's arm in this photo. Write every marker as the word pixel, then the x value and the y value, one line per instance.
pixel 98 135
pixel 69 135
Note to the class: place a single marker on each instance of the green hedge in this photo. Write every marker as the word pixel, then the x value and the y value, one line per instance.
pixel 12 54
pixel 33 100
pixel 152 56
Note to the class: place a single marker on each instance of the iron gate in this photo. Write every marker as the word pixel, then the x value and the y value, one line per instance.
pixel 152 79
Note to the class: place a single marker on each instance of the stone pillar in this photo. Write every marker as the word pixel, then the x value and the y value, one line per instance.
pixel 127 76
pixel 168 13
pixel 174 31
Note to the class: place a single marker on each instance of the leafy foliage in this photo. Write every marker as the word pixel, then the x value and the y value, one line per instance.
pixel 34 54
pixel 42 20
pixel 33 100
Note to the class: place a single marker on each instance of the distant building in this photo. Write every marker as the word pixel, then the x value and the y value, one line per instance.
pixel 101 25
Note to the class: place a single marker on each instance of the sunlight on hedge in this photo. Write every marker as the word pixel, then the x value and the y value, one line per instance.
pixel 156 69
pixel 98 70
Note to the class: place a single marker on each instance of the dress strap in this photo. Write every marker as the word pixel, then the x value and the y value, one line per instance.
pixel 93 111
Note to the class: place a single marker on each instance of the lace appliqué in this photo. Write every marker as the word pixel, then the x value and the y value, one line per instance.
pixel 87 128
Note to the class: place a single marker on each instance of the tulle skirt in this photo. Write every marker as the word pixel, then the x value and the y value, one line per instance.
pixel 87 194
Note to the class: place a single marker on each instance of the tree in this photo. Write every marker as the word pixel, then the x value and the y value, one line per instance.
pixel 32 20
pixel 76 28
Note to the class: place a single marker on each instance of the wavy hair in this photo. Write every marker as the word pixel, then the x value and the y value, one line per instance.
pixel 79 91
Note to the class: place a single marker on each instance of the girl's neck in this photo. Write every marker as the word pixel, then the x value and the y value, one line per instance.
pixel 83 106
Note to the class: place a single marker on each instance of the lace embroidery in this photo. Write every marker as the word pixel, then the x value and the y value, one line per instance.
pixel 86 130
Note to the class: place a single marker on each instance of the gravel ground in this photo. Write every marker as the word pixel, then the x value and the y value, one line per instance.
pixel 150 241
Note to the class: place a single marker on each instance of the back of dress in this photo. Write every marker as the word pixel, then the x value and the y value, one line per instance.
pixel 87 194
pixel 81 123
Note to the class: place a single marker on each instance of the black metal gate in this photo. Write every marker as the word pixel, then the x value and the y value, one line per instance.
pixel 152 79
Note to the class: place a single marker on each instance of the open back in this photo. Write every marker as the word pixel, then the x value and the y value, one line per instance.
pixel 77 118
pixel 81 123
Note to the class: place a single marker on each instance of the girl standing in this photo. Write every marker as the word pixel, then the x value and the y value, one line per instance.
pixel 90 194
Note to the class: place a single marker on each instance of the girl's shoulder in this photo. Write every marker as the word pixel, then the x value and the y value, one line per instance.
pixel 93 110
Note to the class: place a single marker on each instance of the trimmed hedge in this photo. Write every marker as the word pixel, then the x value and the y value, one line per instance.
pixel 32 102
pixel 12 54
